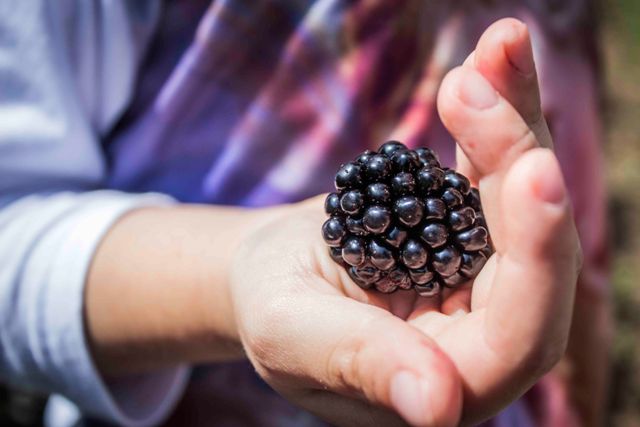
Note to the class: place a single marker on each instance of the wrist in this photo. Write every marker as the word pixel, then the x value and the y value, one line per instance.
pixel 221 324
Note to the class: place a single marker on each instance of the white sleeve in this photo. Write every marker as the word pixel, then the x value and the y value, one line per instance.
pixel 46 246
pixel 53 214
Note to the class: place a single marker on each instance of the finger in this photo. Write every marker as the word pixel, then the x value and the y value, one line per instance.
pixel 333 343
pixel 491 105
pixel 490 132
pixel 522 331
pixel 482 284
pixel 427 307
pixel 432 317
pixel 505 43
pixel 504 56
pixel 465 167
pixel 470 60
pixel 463 164
pixel 457 301
pixel 531 302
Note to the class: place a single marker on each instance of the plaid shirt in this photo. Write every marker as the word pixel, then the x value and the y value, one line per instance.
pixel 259 105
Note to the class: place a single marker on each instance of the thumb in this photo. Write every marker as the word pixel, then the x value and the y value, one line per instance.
pixel 358 353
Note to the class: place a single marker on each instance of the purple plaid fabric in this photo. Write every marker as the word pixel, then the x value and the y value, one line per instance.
pixel 255 102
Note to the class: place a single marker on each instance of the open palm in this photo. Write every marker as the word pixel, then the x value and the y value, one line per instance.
pixel 358 357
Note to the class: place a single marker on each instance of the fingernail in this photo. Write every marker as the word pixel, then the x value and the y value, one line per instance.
pixel 520 56
pixel 475 90
pixel 549 186
pixel 408 397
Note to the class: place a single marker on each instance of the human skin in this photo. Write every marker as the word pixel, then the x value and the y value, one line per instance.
pixel 204 284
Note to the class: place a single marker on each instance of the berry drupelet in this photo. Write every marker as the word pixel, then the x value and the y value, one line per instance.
pixel 398 220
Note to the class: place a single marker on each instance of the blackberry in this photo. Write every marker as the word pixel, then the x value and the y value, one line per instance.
pixel 398 220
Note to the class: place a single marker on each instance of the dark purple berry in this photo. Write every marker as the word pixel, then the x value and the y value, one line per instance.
pixel 452 198
pixel 434 209
pixel 400 278
pixel 427 156
pixel 487 251
pixel 336 255
pixel 365 156
pixel 430 179
pixel 377 168
pixel 445 261
pixel 421 276
pixel 434 234
pixel 472 263
pixel 332 204
pixel 455 180
pixel 405 161
pixel 401 220
pixel 352 202
pixel 474 239
pixel 480 220
pixel 396 236
pixel 376 219
pixel 390 147
pixel 353 251
pixel 461 218
pixel 362 283
pixel 413 254
pixel 385 285
pixel 364 276
pixel 473 199
pixel 403 183
pixel 409 210
pixel 355 226
pixel 333 231
pixel 378 193
pixel 429 289
pixel 454 280
pixel 381 256
pixel 348 176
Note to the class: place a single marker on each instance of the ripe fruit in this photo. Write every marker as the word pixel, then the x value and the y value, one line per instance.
pixel 399 221
pixel 409 210
pixel 376 219
pixel 352 202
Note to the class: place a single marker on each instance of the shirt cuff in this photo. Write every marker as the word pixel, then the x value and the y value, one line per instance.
pixel 136 401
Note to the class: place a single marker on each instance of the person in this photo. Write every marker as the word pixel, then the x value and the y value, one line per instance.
pixel 123 136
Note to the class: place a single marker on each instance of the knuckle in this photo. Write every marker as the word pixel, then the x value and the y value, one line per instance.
pixel 350 364
pixel 526 141
pixel 543 359
pixel 533 361
pixel 344 364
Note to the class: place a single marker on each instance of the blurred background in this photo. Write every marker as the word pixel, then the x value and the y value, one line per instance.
pixel 621 59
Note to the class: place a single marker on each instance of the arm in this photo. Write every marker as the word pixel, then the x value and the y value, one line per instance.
pixel 46 245
pixel 309 331
pixel 50 220
pixel 158 288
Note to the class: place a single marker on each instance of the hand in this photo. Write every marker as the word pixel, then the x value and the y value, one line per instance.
pixel 359 358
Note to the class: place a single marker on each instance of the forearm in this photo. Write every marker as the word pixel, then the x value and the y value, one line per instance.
pixel 157 292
